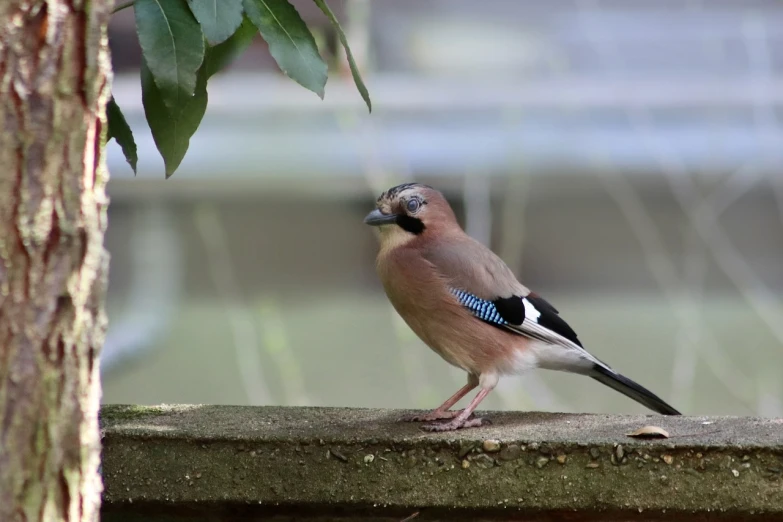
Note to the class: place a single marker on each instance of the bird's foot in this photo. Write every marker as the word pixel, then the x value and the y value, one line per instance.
pixel 431 416
pixel 457 424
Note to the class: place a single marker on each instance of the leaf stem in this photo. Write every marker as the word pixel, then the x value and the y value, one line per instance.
pixel 122 6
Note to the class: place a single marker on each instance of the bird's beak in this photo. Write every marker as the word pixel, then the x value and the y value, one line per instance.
pixel 377 218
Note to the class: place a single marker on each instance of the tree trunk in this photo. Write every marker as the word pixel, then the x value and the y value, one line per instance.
pixel 54 85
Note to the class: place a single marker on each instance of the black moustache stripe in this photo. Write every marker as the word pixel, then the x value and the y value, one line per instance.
pixel 410 224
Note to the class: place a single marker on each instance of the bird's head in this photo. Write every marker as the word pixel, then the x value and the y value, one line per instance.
pixel 408 211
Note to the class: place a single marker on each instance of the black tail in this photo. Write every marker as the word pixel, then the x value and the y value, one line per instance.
pixel 631 389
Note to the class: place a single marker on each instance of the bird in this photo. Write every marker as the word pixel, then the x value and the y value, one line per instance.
pixel 465 303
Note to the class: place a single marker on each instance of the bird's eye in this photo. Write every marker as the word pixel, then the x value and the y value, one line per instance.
pixel 413 205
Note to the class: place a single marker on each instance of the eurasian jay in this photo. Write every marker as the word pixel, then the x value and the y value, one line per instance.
pixel 466 305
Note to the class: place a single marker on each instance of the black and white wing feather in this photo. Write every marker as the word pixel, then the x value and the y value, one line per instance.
pixel 531 316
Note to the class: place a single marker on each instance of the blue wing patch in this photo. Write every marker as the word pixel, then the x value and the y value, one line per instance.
pixel 481 308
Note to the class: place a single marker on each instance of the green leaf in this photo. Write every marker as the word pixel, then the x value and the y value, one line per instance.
pixel 172 45
pixel 221 55
pixel 218 18
pixel 172 128
pixel 121 132
pixel 290 42
pixel 357 78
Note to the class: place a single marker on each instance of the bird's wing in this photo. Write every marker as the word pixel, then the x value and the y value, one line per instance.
pixel 485 285
pixel 530 315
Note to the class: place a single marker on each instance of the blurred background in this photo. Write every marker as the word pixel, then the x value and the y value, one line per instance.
pixel 624 158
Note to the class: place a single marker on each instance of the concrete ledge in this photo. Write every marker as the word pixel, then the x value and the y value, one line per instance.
pixel 253 463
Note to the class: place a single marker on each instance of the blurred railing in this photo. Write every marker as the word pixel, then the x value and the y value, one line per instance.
pixel 439 127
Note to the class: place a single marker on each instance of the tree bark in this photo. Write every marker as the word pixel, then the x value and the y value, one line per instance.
pixel 54 85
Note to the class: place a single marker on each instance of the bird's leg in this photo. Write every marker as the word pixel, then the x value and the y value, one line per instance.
pixel 442 411
pixel 463 420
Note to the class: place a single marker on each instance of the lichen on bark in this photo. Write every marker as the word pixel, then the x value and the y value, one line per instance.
pixel 54 85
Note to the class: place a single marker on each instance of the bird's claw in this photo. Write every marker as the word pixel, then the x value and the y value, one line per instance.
pixel 457 424
pixel 431 416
